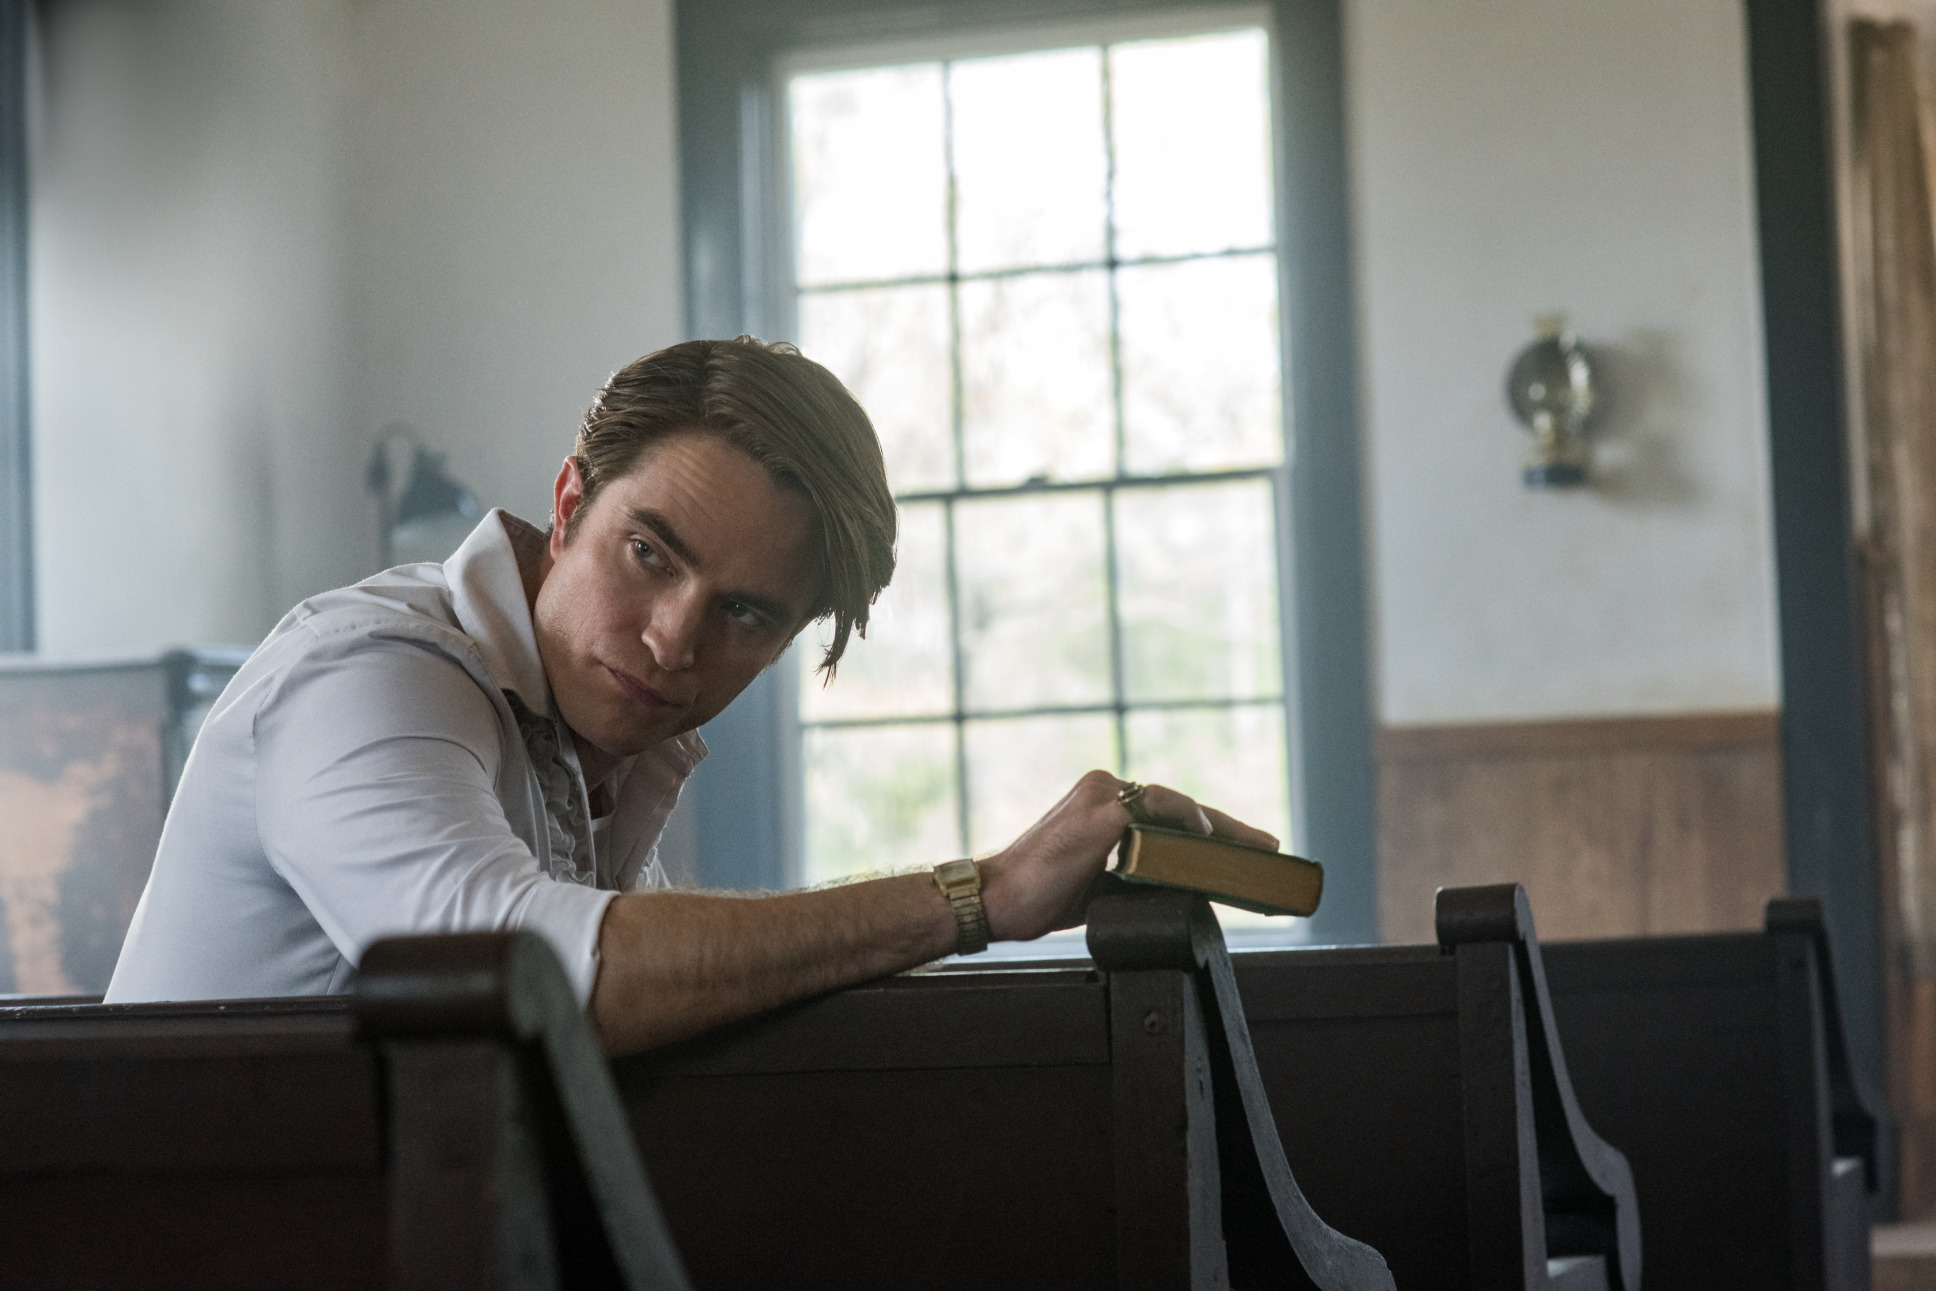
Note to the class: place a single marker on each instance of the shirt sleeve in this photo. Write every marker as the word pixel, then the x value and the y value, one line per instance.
pixel 376 800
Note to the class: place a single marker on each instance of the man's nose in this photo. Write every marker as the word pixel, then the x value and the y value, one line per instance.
pixel 672 629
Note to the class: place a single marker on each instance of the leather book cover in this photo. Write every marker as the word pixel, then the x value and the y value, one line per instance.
pixel 1251 878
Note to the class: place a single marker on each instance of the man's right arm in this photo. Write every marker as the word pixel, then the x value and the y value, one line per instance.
pixel 377 802
pixel 673 964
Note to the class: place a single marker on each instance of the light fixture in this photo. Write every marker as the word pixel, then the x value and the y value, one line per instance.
pixel 1550 389
pixel 434 513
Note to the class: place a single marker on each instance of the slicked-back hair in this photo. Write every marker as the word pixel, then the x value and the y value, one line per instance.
pixel 787 413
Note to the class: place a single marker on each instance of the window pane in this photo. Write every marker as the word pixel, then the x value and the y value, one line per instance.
pixel 1034 616
pixel 1019 767
pixel 1036 398
pixel 890 346
pixel 1198 592
pixel 879 798
pixel 1191 120
pixel 1028 152
pixel 904 666
pixel 869 177
pixel 1200 377
pixel 1228 758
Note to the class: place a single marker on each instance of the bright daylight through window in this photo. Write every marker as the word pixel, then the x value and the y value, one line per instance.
pixel 1051 278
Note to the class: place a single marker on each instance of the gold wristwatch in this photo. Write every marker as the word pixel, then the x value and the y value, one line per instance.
pixel 960 882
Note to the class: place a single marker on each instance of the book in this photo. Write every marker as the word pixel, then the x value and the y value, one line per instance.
pixel 1250 878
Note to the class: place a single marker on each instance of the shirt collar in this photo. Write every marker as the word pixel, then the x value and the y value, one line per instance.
pixel 487 593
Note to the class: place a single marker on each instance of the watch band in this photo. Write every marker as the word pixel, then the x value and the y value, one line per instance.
pixel 960 882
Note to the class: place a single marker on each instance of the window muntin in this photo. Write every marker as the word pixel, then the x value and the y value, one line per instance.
pixel 1051 279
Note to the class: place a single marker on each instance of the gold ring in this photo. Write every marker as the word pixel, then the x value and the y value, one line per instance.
pixel 1131 796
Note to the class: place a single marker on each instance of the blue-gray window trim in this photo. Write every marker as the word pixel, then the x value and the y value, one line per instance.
pixel 16 447
pixel 1828 808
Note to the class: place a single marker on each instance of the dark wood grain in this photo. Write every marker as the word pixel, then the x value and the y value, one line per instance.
pixel 1067 1127
pixel 453 1126
pixel 1425 1109
pixel 468 1206
pixel 1708 1059
pixel 1502 1165
pixel 793 1150
pixel 1169 1218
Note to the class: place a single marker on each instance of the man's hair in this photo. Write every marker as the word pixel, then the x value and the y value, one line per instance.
pixel 787 413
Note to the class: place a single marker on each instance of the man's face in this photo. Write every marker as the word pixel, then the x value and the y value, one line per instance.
pixel 680 582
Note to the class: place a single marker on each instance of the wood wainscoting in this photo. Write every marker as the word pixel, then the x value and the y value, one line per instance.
pixel 1615 825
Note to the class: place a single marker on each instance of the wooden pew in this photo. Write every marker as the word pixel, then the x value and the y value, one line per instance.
pixel 1718 1063
pixel 1092 1126
pixel 1068 1128
pixel 1427 1107
pixel 453 1126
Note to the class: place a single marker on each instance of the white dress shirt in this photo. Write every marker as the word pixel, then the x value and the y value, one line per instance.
pixel 389 761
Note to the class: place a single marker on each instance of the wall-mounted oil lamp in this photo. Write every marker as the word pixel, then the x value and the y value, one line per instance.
pixel 1550 389
pixel 433 515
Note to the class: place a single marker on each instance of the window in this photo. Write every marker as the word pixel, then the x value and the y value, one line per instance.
pixel 1051 278
pixel 738 63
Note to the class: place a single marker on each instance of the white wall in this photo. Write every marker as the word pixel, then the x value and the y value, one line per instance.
pixel 515 227
pixel 192 476
pixel 263 229
pixel 1513 157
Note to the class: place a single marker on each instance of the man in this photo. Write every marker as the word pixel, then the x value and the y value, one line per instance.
pixel 496 742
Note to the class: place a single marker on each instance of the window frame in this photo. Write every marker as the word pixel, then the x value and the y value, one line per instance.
pixel 16 437
pixel 737 242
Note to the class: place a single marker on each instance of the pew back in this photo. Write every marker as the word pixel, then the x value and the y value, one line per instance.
pixel 1424 1102
pixel 175 1145
pixel 1709 1059
pixel 1097 1126
pixel 452 1127
pixel 935 1131
pixel 1360 1055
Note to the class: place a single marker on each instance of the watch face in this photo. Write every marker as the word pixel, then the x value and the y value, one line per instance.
pixel 957 874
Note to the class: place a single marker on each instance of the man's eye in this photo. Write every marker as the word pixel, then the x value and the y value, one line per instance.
pixel 744 614
pixel 647 554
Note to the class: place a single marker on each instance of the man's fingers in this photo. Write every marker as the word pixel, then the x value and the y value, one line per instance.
pixel 1179 811
pixel 1235 830
pixel 1165 806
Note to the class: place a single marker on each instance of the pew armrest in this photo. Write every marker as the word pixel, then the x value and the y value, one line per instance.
pixel 1861 1128
pixel 1586 1174
pixel 425 991
pixel 1138 932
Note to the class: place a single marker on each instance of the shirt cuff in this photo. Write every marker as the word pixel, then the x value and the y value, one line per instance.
pixel 568 916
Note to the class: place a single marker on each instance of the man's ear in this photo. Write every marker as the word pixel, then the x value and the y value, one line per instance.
pixel 567 495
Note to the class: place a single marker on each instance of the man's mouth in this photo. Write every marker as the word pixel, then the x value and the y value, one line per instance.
pixel 638 690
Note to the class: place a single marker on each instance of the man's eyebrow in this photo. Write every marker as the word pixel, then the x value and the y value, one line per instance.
pixel 646 518
pixel 659 527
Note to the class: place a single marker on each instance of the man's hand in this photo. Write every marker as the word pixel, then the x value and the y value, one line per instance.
pixel 1040 882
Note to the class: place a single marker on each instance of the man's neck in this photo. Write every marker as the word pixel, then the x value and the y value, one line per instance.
pixel 595 763
pixel 533 553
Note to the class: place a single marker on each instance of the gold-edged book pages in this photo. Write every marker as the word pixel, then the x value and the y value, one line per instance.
pixel 1250 878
